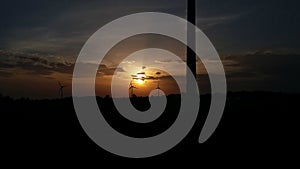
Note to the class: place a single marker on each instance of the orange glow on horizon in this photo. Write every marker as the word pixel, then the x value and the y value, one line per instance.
pixel 140 81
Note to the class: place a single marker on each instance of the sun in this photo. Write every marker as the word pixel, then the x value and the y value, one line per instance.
pixel 140 81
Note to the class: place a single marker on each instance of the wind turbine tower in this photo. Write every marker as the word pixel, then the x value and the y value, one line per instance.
pixel 61 91
pixel 131 87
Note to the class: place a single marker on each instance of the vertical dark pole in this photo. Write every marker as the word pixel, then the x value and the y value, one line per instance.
pixel 191 17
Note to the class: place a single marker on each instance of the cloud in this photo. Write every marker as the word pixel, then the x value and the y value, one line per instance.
pixel 259 70
pixel 208 22
pixel 5 73
pixel 128 62
pixel 109 71
pixel 168 61
pixel 264 70
pixel 63 27
pixel 34 63
pixel 267 63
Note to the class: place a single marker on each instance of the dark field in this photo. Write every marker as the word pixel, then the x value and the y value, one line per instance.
pixel 255 127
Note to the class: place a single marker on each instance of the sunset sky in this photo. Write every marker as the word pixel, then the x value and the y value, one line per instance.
pixel 258 42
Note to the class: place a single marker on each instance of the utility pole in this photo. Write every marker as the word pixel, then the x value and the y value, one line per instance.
pixel 191 17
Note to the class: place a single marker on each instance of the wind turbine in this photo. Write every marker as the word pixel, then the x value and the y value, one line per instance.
pixel 158 88
pixel 61 91
pixel 131 87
